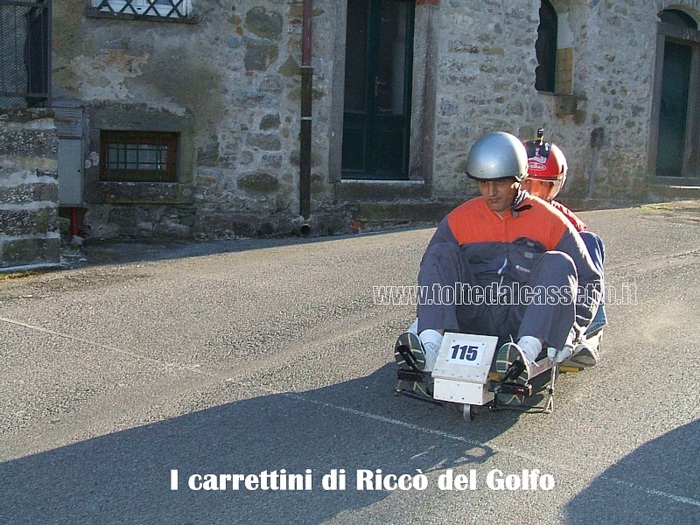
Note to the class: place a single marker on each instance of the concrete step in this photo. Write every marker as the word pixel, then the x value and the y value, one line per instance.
pixel 375 215
pixel 674 192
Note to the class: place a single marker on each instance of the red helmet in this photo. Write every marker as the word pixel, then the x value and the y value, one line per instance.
pixel 546 162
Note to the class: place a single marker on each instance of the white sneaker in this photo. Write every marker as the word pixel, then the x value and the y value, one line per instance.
pixel 421 350
pixel 585 355
pixel 508 354
pixel 408 352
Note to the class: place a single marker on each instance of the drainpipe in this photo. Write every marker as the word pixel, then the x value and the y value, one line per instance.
pixel 306 94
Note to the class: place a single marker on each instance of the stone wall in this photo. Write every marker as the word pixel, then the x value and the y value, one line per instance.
pixel 29 232
pixel 229 82
pixel 487 71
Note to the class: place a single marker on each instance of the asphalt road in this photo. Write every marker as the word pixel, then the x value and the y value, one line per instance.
pixel 270 358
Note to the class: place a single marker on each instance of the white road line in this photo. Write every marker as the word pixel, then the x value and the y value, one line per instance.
pixel 111 348
pixel 376 417
pixel 473 442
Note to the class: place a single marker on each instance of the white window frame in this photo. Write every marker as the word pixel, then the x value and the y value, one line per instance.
pixel 157 8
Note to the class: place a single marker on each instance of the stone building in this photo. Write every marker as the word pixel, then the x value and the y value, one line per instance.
pixel 186 118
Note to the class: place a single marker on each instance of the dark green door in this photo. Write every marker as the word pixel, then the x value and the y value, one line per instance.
pixel 674 109
pixel 377 112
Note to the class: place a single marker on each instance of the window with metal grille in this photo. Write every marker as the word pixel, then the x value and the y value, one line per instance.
pixel 25 53
pixel 135 156
pixel 152 8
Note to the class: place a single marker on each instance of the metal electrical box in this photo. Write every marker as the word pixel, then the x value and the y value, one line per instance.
pixel 69 122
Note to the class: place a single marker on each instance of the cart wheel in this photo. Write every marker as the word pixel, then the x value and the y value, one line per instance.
pixel 468 413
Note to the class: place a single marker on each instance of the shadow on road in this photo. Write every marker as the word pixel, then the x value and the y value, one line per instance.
pixel 124 477
pixel 99 252
pixel 662 474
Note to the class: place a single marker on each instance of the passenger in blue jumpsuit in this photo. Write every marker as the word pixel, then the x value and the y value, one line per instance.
pixel 547 169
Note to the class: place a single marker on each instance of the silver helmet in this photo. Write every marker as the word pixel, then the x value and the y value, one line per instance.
pixel 497 155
